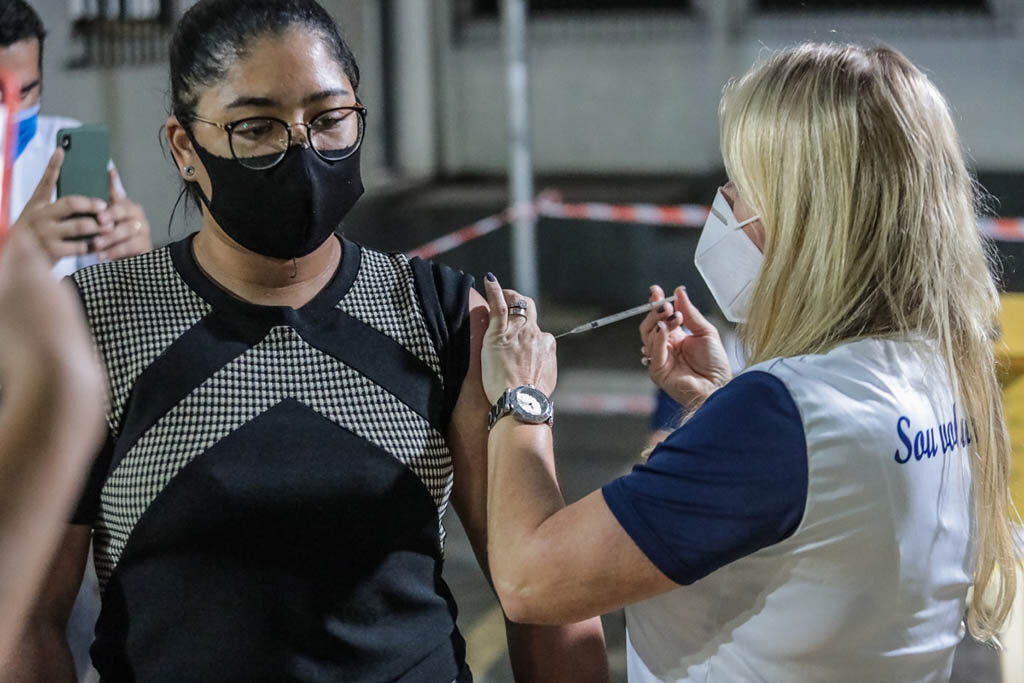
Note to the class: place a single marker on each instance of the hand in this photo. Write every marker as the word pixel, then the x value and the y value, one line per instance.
pixel 515 352
pixel 50 221
pixel 130 234
pixel 688 367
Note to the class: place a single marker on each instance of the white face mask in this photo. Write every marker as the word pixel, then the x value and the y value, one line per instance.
pixel 728 260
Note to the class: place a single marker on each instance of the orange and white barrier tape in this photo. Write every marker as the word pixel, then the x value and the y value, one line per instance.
pixel 682 215
pixel 479 228
pixel 1009 229
pixel 549 205
pixel 462 235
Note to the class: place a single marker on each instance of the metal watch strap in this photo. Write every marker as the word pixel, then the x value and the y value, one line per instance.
pixel 500 409
pixel 506 405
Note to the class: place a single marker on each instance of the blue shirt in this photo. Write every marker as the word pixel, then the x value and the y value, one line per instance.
pixel 730 481
pixel 667 413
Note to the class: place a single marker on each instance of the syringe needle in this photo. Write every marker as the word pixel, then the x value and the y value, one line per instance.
pixel 614 317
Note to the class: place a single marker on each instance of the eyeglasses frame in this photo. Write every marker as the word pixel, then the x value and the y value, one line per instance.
pixel 228 127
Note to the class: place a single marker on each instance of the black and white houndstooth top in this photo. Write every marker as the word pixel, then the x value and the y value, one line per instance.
pixel 268 504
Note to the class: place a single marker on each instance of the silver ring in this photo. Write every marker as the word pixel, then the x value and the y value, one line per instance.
pixel 517 311
pixel 520 303
pixel 645 361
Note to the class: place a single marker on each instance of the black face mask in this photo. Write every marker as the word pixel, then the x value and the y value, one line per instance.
pixel 286 211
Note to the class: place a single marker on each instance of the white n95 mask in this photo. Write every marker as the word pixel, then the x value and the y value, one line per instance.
pixel 728 260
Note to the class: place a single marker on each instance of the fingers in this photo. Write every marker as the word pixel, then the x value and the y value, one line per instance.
pixel 674 321
pixel 75 227
pixel 58 249
pixel 115 191
pixel 67 206
pixel 499 308
pixel 128 233
pixel 692 318
pixel 658 347
pixel 48 183
pixel 124 231
pixel 658 313
pixel 124 210
pixel 516 300
pixel 124 219
pixel 657 293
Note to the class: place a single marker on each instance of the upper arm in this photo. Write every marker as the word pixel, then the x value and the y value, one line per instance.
pixel 456 316
pixel 467 438
pixel 594 567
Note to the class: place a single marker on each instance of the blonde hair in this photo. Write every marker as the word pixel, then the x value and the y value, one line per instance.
pixel 850 156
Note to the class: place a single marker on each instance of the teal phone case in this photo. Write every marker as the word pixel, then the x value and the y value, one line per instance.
pixel 84 171
pixel 86 155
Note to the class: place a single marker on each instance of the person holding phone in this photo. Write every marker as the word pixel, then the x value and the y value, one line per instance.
pixel 75 231
pixel 823 515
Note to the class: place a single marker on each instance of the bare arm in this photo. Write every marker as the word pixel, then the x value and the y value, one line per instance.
pixel 550 563
pixel 42 654
pixel 554 563
pixel 50 423
pixel 573 652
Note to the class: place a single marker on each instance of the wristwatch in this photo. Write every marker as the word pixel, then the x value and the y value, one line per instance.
pixel 526 403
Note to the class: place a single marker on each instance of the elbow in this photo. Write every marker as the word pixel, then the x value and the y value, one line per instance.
pixel 531 588
pixel 520 607
pixel 529 603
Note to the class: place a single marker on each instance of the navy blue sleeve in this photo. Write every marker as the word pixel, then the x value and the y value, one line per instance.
pixel 730 481
pixel 667 413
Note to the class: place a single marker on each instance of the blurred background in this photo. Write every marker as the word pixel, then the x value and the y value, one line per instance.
pixel 622 98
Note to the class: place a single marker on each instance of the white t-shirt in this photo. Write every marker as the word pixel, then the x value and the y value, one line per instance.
pixel 870 582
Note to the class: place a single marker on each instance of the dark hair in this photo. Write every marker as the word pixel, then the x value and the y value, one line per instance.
pixel 18 21
pixel 214 34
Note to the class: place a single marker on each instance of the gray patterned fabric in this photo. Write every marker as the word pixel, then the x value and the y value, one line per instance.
pixel 136 307
pixel 139 307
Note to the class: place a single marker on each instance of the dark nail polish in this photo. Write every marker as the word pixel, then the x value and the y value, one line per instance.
pixel 490 277
pixel 661 308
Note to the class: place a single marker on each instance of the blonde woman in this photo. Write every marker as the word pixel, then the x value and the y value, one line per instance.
pixel 822 515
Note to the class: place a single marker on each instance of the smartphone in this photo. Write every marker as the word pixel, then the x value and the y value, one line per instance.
pixel 84 172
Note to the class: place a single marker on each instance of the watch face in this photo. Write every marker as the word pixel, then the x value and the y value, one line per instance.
pixel 531 404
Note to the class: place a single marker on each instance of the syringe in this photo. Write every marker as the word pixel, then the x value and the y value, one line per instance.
pixel 616 317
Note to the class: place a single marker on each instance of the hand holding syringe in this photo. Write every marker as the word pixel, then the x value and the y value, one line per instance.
pixel 616 317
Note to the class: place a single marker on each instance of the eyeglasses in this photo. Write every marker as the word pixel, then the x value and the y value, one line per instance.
pixel 260 142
